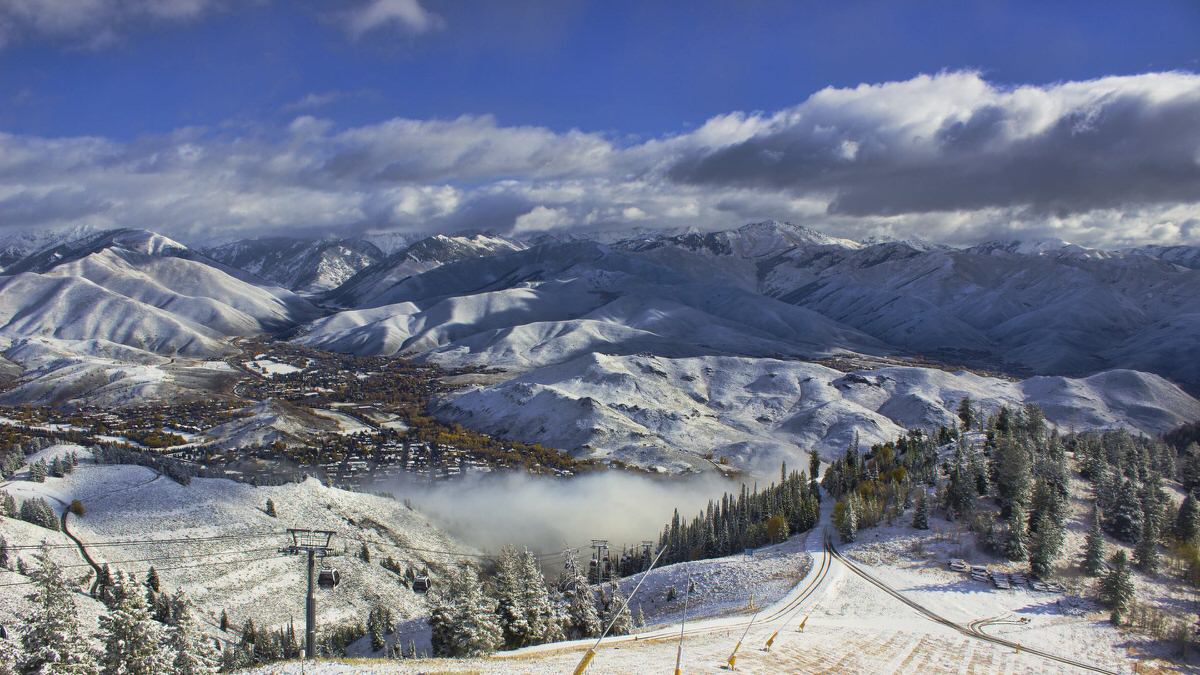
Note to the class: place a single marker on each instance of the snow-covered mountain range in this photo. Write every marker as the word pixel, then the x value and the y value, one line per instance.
pixel 600 335
pixel 420 256
pixel 303 265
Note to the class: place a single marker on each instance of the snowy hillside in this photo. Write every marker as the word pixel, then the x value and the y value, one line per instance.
pixel 654 411
pixel 222 547
pixel 1185 256
pixel 106 374
pixel 303 265
pixel 1056 310
pixel 363 288
pixel 271 421
pixel 551 303
pixel 1040 306
pixel 1035 307
pixel 18 245
pixel 142 290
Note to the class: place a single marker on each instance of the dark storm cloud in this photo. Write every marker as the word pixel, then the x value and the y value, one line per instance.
pixel 1106 146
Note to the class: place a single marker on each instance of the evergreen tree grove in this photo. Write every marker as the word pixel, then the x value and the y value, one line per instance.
pixel 52 641
pixel 464 621
pixel 133 640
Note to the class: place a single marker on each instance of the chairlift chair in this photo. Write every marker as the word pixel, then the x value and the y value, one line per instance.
pixel 421 583
pixel 329 577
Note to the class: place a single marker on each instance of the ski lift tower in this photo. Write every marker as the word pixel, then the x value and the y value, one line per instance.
pixel 601 557
pixel 314 543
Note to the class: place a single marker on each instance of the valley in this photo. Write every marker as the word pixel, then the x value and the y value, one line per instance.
pixel 407 400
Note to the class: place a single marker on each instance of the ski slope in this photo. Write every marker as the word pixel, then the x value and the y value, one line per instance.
pixel 215 539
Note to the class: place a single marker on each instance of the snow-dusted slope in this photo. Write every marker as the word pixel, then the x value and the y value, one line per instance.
pixel 244 573
pixel 77 309
pixel 269 421
pixel 1185 256
pixel 671 412
pixel 20 244
pixel 551 303
pixel 364 288
pixel 142 290
pixel 1064 313
pixel 100 373
pixel 303 265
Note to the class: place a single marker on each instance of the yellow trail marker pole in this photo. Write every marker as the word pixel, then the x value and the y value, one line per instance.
pixel 771 640
pixel 802 622
pixel 679 650
pixel 587 660
pixel 733 657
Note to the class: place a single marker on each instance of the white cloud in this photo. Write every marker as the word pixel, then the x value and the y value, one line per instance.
pixel 948 157
pixel 314 100
pixel 92 23
pixel 408 15
pixel 541 219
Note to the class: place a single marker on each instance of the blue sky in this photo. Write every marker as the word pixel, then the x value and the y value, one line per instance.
pixel 642 68
pixel 224 75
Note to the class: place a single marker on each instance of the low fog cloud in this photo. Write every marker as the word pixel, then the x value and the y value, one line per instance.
pixel 549 514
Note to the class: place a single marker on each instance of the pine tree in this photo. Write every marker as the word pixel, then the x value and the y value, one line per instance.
pixel 616 612
pixel 152 581
pixel 132 638
pixel 1125 518
pixel 1116 588
pixel 1014 544
pixel 4 553
pixel 224 620
pixel 1013 474
pixel 1187 521
pixel 544 622
pixel 8 505
pixel 376 628
pixel 104 585
pixel 1093 558
pixel 510 599
pixel 365 553
pixel 271 509
pixel 966 414
pixel 583 620
pixel 37 471
pixel 1044 546
pixel 846 518
pixel 1145 555
pixel 920 520
pixel 463 621
pixel 52 640
pixel 192 652
pixel 38 512
pixel 814 465
pixel 639 619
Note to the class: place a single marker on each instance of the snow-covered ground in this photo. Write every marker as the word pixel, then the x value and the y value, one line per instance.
pixel 849 625
pixel 651 410
pixel 271 368
pixel 214 538
pixel 274 420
